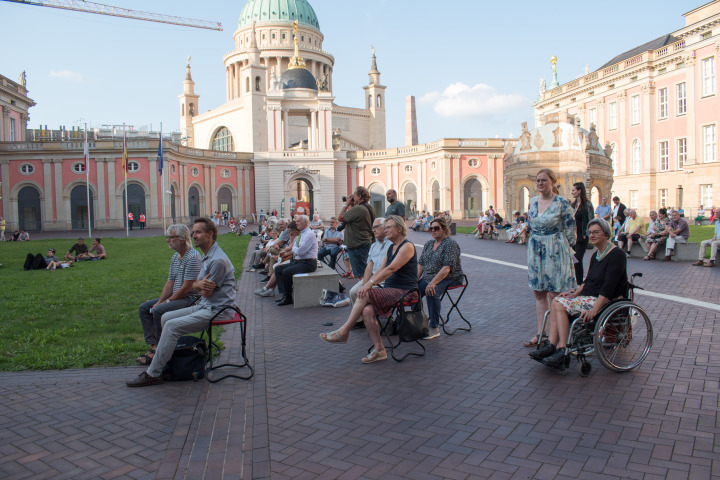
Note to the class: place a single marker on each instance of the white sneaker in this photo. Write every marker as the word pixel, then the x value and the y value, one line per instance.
pixel 268 293
pixel 260 291
pixel 432 333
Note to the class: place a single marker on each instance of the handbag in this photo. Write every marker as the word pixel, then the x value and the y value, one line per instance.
pixel 412 325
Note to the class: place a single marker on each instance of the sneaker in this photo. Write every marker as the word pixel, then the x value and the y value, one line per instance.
pixel 543 352
pixel 267 293
pixel 144 380
pixel 260 291
pixel 432 333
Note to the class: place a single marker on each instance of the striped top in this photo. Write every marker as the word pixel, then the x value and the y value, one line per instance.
pixel 185 268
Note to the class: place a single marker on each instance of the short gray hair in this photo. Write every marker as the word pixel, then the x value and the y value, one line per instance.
pixel 181 231
pixel 602 224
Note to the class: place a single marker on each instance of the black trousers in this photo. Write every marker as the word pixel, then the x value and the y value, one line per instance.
pixel 284 274
pixel 580 248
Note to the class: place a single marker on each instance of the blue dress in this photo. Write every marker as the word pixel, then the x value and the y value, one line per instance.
pixel 549 256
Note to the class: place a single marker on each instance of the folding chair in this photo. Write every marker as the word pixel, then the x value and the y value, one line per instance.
pixel 462 284
pixel 390 327
pixel 214 348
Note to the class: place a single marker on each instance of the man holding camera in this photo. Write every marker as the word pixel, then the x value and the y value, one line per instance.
pixel 358 216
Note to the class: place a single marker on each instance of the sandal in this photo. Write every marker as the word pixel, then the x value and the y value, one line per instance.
pixel 333 337
pixel 374 356
pixel 649 257
pixel 348 275
pixel 533 342
pixel 146 358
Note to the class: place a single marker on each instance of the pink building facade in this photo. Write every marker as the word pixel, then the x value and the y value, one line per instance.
pixel 657 107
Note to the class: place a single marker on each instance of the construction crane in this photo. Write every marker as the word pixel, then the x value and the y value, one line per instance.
pixel 101 9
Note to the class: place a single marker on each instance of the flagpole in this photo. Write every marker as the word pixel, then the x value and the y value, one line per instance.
pixel 86 152
pixel 162 180
pixel 127 203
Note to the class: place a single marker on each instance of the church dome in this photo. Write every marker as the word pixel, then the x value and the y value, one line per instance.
pixel 298 78
pixel 263 11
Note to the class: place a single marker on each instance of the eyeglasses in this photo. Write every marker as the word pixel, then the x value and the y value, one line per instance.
pixel 434 229
pixel 375 227
pixel 173 236
pixel 594 232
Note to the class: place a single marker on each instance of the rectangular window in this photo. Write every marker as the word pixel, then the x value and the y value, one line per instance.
pixel 663 156
pixel 663 197
pixel 709 143
pixel 706 195
pixel 593 117
pixel 662 103
pixel 681 152
pixel 708 76
pixel 12 130
pixel 635 109
pixel 681 98
pixel 612 116
pixel 633 198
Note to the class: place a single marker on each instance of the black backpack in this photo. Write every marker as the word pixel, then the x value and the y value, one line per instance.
pixel 188 360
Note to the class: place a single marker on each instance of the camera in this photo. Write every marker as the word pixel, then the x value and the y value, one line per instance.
pixel 344 199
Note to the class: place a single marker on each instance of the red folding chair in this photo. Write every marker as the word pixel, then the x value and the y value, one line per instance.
pixel 214 348
pixel 461 284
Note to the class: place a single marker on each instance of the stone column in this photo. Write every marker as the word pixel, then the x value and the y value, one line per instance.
pixel 153 196
pixel 23 126
pixel 213 190
pixel 8 213
pixel 58 214
pixel 692 155
pixel 100 210
pixel 241 206
pixel 624 160
pixel 5 125
pixel 47 215
pixel 207 204
pixel 183 189
pixel 286 129
pixel 247 188
pixel 113 201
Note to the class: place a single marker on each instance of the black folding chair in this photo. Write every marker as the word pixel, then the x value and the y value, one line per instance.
pixel 214 348
pixel 389 328
pixel 460 284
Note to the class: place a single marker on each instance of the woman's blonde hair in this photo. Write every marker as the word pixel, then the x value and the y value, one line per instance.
pixel 552 177
pixel 398 221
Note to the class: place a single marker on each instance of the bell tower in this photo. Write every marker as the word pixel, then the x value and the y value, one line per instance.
pixel 188 107
pixel 375 103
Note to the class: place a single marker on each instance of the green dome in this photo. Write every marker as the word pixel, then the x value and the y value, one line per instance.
pixel 263 11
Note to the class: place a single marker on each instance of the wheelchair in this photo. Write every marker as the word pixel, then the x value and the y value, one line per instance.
pixel 621 335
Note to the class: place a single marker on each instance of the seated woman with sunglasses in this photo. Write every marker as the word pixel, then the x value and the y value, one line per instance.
pixel 438 268
pixel 606 280
pixel 399 274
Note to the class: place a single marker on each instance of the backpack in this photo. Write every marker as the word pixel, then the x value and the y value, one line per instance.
pixel 188 360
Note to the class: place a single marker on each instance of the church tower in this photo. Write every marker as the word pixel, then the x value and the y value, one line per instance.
pixel 188 107
pixel 375 103
pixel 254 80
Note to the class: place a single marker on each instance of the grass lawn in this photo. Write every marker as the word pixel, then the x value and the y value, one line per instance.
pixel 86 315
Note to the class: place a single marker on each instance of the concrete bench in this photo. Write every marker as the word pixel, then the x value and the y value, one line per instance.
pixel 307 287
pixel 684 252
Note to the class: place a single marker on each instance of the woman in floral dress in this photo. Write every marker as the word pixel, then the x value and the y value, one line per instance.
pixel 551 223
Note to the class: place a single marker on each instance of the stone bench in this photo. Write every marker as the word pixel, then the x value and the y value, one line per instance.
pixel 684 252
pixel 307 287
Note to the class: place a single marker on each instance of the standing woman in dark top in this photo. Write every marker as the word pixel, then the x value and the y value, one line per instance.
pixel 584 212
pixel 606 280
pixel 399 274
pixel 439 267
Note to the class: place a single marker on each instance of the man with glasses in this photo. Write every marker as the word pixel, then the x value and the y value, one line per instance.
pixel 376 257
pixel 305 251
pixel 177 292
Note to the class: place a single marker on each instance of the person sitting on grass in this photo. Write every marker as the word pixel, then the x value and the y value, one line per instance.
pixel 77 250
pixel 177 292
pixel 399 275
pixel 606 280
pixel 215 283
pixel 714 244
pixel 97 250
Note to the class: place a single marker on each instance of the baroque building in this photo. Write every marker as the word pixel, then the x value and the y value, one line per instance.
pixel 279 141
pixel 656 106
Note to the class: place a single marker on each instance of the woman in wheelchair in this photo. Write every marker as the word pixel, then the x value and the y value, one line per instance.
pixel 606 280
pixel 399 274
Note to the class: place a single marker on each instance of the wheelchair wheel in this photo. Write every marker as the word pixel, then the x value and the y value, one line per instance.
pixel 584 368
pixel 623 336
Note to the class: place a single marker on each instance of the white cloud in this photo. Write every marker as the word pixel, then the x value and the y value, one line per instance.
pixel 67 75
pixel 461 100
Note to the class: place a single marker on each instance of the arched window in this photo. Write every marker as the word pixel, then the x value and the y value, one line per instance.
pixel 257 84
pixel 379 101
pixel 222 141
pixel 247 84
pixel 369 104
pixel 636 156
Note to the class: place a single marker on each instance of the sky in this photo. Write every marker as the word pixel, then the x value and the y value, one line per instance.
pixel 474 66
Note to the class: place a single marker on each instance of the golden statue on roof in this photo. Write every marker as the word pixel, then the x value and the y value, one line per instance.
pixel 296 61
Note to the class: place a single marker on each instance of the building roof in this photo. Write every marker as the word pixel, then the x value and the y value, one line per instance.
pixel 651 45
pixel 262 11
pixel 298 78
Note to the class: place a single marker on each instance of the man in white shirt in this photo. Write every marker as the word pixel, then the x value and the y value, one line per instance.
pixel 305 249
pixel 376 257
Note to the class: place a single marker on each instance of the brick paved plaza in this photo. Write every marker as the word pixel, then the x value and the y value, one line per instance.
pixel 475 406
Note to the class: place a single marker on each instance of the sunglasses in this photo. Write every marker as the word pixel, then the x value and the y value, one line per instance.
pixel 435 229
